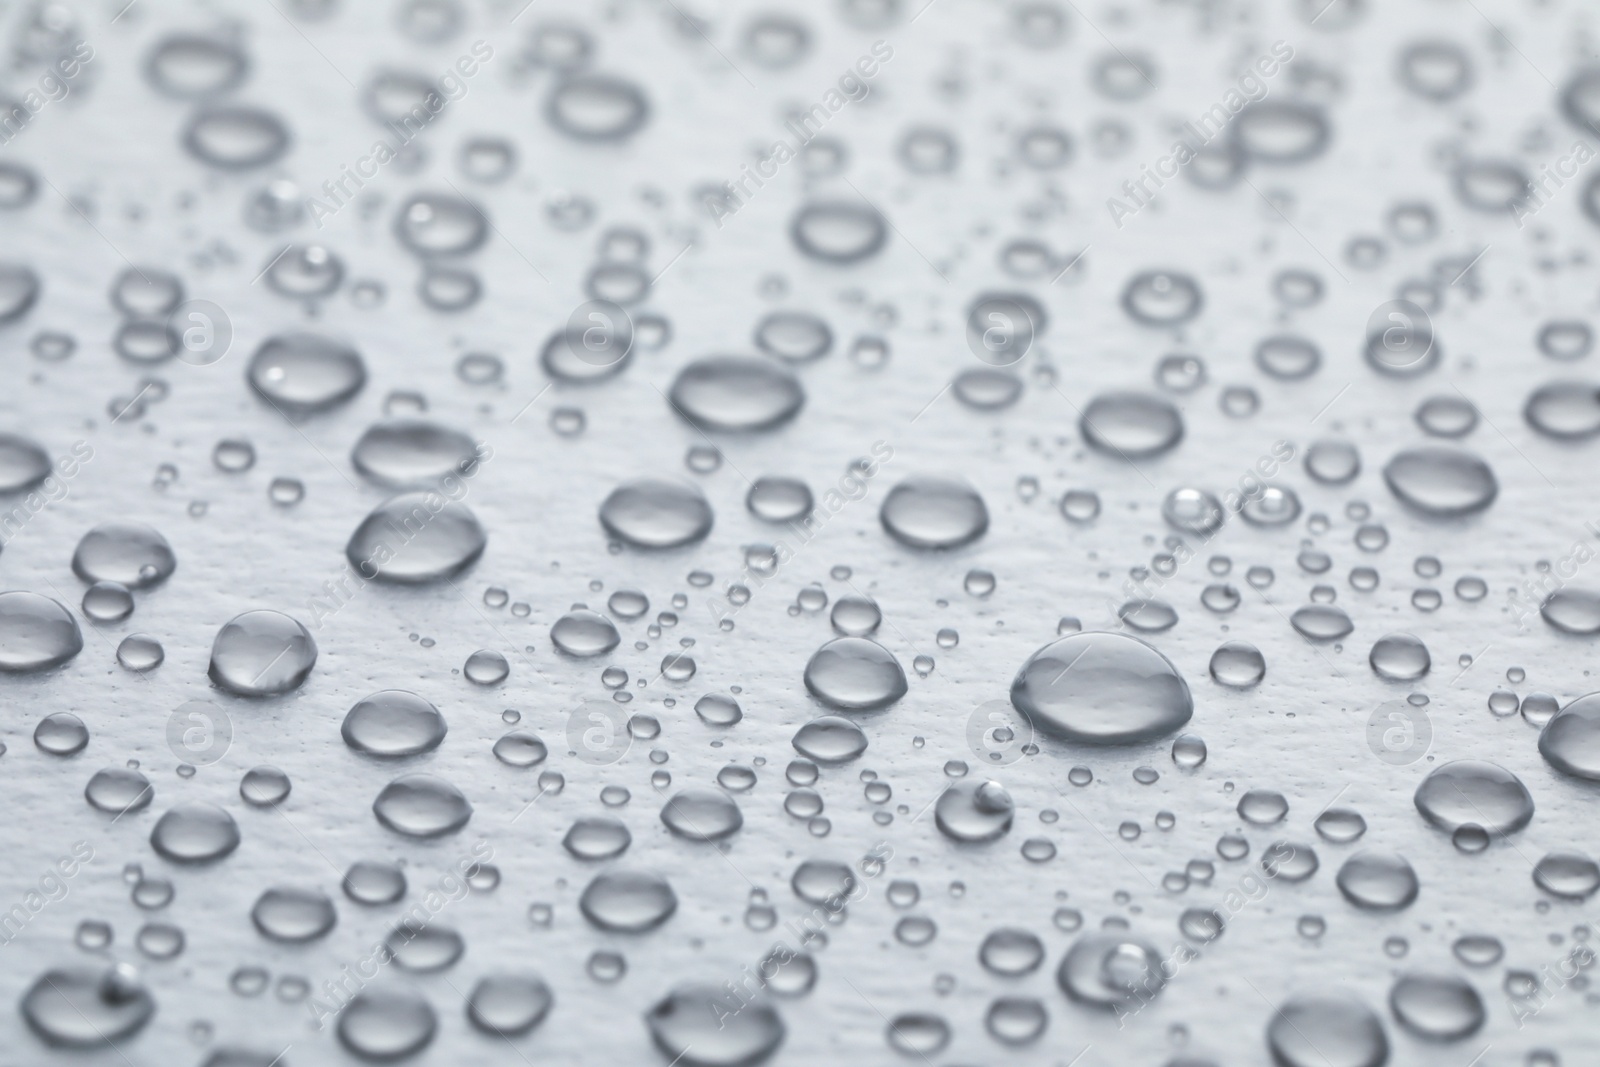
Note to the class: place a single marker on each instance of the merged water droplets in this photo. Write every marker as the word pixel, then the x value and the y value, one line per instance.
pixel 1111 970
pixel 1476 793
pixel 84 1008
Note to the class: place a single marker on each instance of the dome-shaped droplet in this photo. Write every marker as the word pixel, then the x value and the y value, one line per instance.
pixel 1262 807
pixel 1474 792
pixel 1570 741
pixel 656 514
pixel 702 815
pixel 1400 658
pixel 838 231
pixel 129 553
pixel 83 1008
pixel 688 1028
pixel 302 373
pixel 1102 688
pixel 393 722
pixel 236 137
pixel 1326 1030
pixel 293 914
pixel 597 837
pixel 1111 970
pixel 1321 622
pixel 1564 410
pixel 420 805
pixel 1131 425
pixel 1441 482
pixel 36 632
pixel 416 538
pixel 412 453
pixel 440 224
pixel 372 883
pixel 627 901
pixel 387 1023
pixel 509 1004
pixel 1571 875
pixel 974 811
pixel 1010 952
pixel 584 633
pixel 779 499
pixel 855 674
pixel 1193 511
pixel 1377 881
pixel 933 512
pixel 195 833
pixel 23 463
pixel 830 739
pixel 1436 1007
pixel 262 653
pixel 119 790
pixel 596 107
pixel 1238 665
pixel 61 733
pixel 1572 610
pixel 736 393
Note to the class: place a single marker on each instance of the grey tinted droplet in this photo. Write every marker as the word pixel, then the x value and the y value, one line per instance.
pixel 1131 425
pixel 684 1026
pixel 776 41
pixel 1162 298
pixel 36 633
pixel 1477 792
pixel 1193 511
pixel 440 224
pixel 1436 1007
pixel 1011 952
pixel 736 393
pixel 1570 741
pixel 236 137
pixel 1238 665
pixel 1333 462
pixel 129 553
pixel 424 947
pixel 830 739
pixel 1291 861
pixel 1288 357
pixel 146 292
pixel 83 1008
pixel 188 66
pixel 1263 807
pixel 1570 875
pixel 486 667
pixel 856 616
pixel 584 634
pixel 1399 658
pixel 597 107
pixel 1436 70
pixel 293 914
pixel 774 498
pixel 702 815
pixel 416 538
pixel 934 512
pixel 840 232
pixel 386 1023
pixel 1492 186
pixel 61 733
pixel 302 373
pixel 262 653
pixel 107 602
pixel 1478 950
pixel 794 336
pixel 393 722
pixel 986 388
pixel 921 1034
pixel 1280 132
pixel 305 272
pixel 973 811
pixel 822 881
pixel 412 453
pixel 421 805
pixel 714 709
pixel 119 790
pixel 855 674
pixel 195 833
pixel 650 513
pixel 626 901
pixel 1103 688
pixel 597 838
pixel 264 786
pixel 372 883
pixel 1323 1029
pixel 520 749
pixel 1188 751
pixel 23 463
pixel 1273 505
pixel 1564 410
pixel 1566 339
pixel 509 1004
pixel 1147 615
pixel 1111 970
pixel 1446 416
pixel 1321 622
pixel 1378 881
pixel 1340 825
